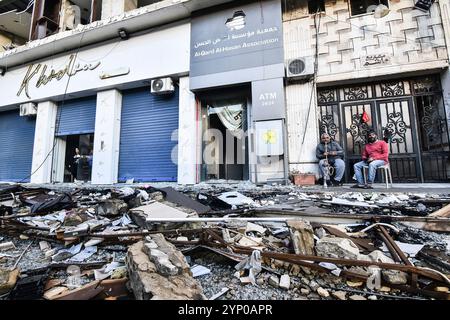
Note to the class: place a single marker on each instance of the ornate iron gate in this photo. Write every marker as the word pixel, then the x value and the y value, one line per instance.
pixel 409 113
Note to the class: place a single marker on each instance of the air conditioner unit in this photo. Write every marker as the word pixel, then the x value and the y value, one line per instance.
pixel 300 68
pixel 28 109
pixel 162 86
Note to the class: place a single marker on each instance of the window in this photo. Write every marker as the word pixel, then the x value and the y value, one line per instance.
pixel 365 6
pixel 314 6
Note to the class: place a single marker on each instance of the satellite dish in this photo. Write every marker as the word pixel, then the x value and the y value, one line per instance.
pixel 381 11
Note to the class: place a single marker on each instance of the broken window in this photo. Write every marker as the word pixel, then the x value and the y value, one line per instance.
pixel 365 6
pixel 52 16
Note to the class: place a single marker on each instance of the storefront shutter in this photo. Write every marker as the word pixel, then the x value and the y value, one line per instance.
pixel 16 146
pixel 146 145
pixel 76 117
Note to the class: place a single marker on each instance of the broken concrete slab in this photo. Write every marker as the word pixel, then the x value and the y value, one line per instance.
pixel 274 281
pixel 147 284
pixel 183 200
pixel 337 248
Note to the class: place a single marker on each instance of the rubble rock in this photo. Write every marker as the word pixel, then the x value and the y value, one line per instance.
pixel 378 256
pixel 285 282
pixel 320 233
pixel 314 285
pixel 302 236
pixel 341 295
pixel 323 292
pixel 334 247
pixel 273 281
pixel 372 297
pixel 356 297
pixel 305 292
pixel 147 284
pixel 8 279
pixel 111 207
pixel 394 276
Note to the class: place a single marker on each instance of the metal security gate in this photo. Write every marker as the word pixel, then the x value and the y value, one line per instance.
pixel 148 136
pixel 408 113
pixel 16 146
pixel 76 117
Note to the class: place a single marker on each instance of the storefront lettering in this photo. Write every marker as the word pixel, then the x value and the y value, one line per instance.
pixel 45 77
pixel 268 98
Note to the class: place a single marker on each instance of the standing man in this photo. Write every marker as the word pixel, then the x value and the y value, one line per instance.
pixel 331 154
pixel 374 155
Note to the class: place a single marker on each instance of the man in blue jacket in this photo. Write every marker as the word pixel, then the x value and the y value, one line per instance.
pixel 330 153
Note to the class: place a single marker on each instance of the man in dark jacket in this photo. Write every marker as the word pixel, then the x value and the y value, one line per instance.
pixel 330 153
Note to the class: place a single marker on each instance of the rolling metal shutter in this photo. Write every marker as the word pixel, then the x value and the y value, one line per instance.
pixel 16 146
pixel 76 117
pixel 148 122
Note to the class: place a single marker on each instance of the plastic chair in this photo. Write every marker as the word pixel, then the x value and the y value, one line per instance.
pixel 387 174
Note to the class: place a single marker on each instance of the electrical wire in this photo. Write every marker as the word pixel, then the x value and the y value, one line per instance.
pixel 59 116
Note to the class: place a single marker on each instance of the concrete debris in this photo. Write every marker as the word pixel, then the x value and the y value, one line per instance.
pixel 337 248
pixel 250 242
pixel 285 282
pixel 147 283
pixel 302 236
pixel 274 281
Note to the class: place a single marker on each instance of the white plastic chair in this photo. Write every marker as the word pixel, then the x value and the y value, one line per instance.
pixel 387 174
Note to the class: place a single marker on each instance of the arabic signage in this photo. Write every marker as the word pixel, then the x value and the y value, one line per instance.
pixel 235 45
pixel 375 59
pixel 42 74
pixel 268 99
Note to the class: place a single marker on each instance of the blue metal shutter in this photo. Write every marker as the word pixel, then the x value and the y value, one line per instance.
pixel 148 122
pixel 76 117
pixel 16 146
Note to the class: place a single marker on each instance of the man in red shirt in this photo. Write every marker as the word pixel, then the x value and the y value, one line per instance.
pixel 374 155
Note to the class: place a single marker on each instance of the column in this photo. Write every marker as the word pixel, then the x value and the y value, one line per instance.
pixel 105 166
pixel 188 141
pixel 44 138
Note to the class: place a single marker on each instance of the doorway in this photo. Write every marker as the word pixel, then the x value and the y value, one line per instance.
pixel 224 140
pixel 78 157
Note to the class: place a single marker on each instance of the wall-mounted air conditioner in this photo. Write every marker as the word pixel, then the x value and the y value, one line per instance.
pixel 300 68
pixel 28 109
pixel 162 86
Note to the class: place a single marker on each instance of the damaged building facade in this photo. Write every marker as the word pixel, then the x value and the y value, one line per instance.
pixel 388 62
pixel 188 92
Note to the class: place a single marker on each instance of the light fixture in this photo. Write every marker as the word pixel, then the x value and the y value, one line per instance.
pixel 123 34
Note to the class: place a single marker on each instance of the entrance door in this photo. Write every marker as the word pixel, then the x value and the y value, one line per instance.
pixel 391 119
pixel 225 155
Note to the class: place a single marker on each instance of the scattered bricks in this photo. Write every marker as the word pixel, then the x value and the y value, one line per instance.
pixel 285 282
pixel 323 292
pixel 341 295
pixel 147 284
pixel 273 281
pixel 302 236
pixel 337 248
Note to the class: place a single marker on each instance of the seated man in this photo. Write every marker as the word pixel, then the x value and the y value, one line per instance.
pixel 330 153
pixel 374 155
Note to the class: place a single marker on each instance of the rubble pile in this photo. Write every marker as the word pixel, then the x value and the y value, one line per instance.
pixel 208 242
